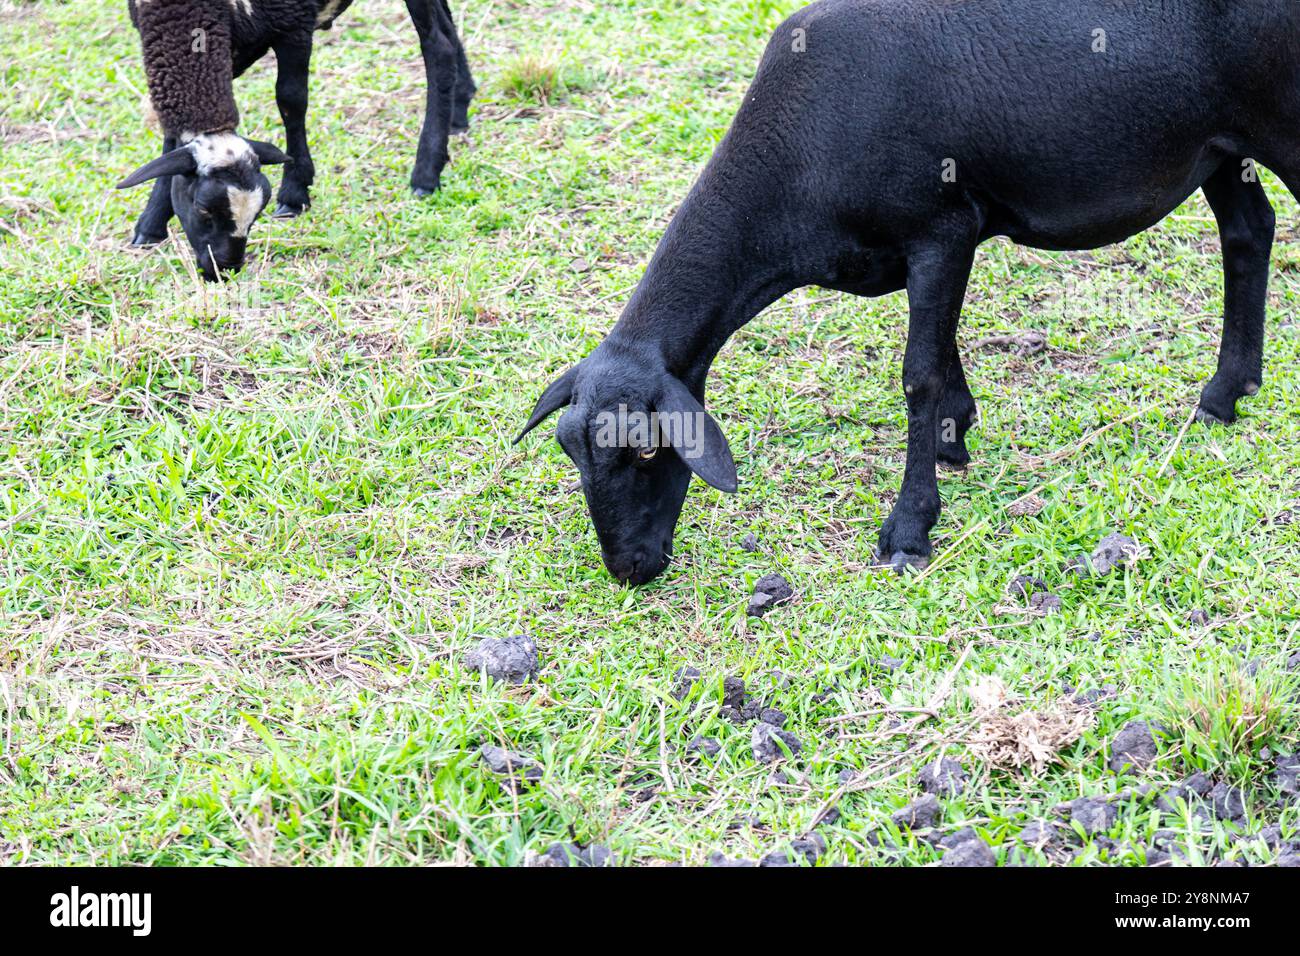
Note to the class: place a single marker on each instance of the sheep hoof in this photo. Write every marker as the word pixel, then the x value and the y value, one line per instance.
pixel 142 241
pixel 420 192
pixel 285 210
pixel 900 561
pixel 1209 418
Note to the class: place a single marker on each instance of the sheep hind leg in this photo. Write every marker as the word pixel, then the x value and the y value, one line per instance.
pixel 936 284
pixel 465 85
pixel 957 413
pixel 151 227
pixel 439 55
pixel 1246 226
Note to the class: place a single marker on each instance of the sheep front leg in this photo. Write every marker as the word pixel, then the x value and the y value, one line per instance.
pixel 439 52
pixel 293 59
pixel 151 227
pixel 936 284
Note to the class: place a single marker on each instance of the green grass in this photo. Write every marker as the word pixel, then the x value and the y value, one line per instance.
pixel 246 534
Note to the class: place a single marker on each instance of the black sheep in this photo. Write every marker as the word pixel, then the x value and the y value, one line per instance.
pixel 208 175
pixel 880 144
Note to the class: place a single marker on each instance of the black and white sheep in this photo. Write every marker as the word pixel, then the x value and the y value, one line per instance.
pixel 210 176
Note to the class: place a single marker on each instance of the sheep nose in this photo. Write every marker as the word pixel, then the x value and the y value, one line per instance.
pixel 219 269
pixel 636 567
pixel 623 566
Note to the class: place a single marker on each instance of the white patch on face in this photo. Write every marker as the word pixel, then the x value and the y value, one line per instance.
pixel 245 204
pixel 328 12
pixel 214 151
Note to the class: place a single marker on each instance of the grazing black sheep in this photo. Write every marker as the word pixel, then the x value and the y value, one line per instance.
pixel 208 175
pixel 880 144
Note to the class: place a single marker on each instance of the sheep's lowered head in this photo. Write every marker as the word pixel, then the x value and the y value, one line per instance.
pixel 637 434
pixel 218 189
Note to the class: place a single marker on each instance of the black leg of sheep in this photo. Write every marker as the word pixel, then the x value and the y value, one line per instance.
pixel 151 227
pixel 438 47
pixel 465 86
pixel 293 59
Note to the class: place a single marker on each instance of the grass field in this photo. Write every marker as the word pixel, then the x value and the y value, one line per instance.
pixel 247 533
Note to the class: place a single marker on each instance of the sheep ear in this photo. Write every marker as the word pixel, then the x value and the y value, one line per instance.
pixel 177 162
pixel 267 154
pixel 557 395
pixel 696 437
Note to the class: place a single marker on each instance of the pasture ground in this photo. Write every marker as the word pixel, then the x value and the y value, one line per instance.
pixel 247 534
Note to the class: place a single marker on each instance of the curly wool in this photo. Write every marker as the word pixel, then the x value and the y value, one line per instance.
pixel 187 62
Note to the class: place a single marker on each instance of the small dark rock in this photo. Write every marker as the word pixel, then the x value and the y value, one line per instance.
pixel 846 776
pixel 823 695
pixel 1198 618
pixel 951 840
pixel 1290 858
pixel 1091 698
pixel 781 680
pixel 769 591
pixel 764 742
pixel 759 605
pixel 1286 775
pixel 883 839
pixel 1046 602
pixel 1293 662
pixel 944 777
pixel 1039 834
pixel 805 849
pixel 1272 836
pixel 774 585
pixel 1133 747
pixel 1199 784
pixel 749 543
pixel 511 659
pixel 970 853
pixel 770 715
pixel 733 692
pixel 1228 802
pixel 1093 814
pixel 718 859
pixel 706 746
pixel 685 678
pixel 920 814
pixel 1115 550
pixel 518 770
pixel 1022 586
pixel 830 817
pixel 888 663
pixel 572 854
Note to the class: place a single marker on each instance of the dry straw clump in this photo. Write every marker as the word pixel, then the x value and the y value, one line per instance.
pixel 1012 739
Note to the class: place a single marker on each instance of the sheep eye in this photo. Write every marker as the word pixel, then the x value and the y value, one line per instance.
pixel 645 454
